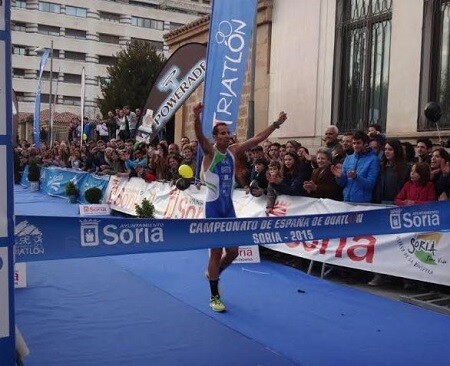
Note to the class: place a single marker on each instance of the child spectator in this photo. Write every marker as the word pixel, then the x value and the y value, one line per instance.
pixel 258 179
pixel 419 189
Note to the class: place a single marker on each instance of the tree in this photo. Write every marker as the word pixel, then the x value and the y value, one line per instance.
pixel 131 77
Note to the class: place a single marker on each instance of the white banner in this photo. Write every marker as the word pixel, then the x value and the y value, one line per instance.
pixel 421 256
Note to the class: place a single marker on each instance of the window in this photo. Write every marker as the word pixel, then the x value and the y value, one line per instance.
pixel 46 75
pixel 361 78
pixel 19 27
pixel 20 96
pixel 19 50
pixel 106 60
pixel 72 78
pixel 21 4
pixel 18 73
pixel 435 75
pixel 45 98
pixel 147 23
pixel 77 56
pixel 110 17
pixel 108 38
pixel 76 12
pixel 75 33
pixel 103 80
pixel 157 45
pixel 71 100
pixel 49 7
pixel 140 3
pixel 48 29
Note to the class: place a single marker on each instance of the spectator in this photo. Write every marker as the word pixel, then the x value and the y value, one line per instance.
pixel 347 143
pixel 419 189
pixel 322 183
pixel 332 143
pixel 258 180
pixel 274 152
pixel 131 121
pixel 439 173
pixel 289 182
pixel 394 173
pixel 410 152
pixel 173 163
pixel 358 174
pixel 423 150
pixel 111 122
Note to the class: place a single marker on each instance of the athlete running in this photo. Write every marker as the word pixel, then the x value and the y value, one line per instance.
pixel 217 172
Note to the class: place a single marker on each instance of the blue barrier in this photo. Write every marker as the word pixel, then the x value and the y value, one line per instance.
pixel 53 181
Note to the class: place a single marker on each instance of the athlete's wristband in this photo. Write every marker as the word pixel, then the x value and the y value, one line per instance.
pixel 276 124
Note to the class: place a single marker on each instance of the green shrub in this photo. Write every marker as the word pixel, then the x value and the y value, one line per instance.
pixel 145 209
pixel 93 195
pixel 71 189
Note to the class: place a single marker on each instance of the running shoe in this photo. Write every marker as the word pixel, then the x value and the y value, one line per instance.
pixel 216 304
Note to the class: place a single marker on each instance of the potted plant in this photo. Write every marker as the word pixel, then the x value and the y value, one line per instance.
pixel 72 192
pixel 93 195
pixel 34 175
pixel 145 209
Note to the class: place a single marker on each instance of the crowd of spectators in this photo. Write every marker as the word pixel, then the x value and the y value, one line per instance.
pixel 360 167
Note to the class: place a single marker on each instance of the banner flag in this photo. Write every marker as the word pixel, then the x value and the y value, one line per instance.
pixel 230 35
pixel 182 73
pixel 37 101
pixel 82 94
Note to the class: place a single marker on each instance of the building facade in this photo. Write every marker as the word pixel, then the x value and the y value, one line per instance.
pixel 84 34
pixel 350 63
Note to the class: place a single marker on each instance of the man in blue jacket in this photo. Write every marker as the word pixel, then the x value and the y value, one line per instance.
pixel 358 174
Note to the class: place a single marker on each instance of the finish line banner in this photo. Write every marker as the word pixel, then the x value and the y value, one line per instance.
pixel 41 238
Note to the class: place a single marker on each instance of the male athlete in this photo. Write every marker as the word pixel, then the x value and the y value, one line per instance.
pixel 218 175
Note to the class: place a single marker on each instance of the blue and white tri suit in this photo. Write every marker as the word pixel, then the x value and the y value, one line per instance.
pixel 219 181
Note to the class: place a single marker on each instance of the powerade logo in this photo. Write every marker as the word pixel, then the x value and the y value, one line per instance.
pixel 416 220
pixel 111 234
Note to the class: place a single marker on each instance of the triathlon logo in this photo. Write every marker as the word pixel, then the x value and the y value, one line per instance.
pixel 28 240
pixel 89 233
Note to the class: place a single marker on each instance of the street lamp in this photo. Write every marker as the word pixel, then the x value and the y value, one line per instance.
pixel 40 50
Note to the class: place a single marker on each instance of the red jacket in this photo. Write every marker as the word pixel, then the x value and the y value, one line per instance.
pixel 415 192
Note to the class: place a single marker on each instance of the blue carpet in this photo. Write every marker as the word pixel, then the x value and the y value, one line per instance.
pixel 92 312
pixel 328 324
pixel 152 309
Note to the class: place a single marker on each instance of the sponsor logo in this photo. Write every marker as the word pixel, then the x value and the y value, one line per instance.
pixel 232 36
pixel 28 239
pixel 416 219
pixel 146 233
pixel 422 250
pixel 178 91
